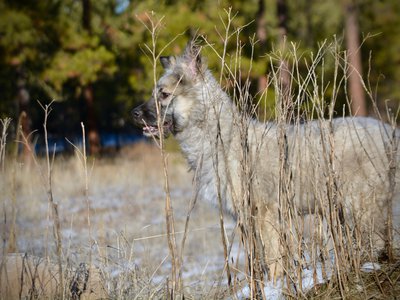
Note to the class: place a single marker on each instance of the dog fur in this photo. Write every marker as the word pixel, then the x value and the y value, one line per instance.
pixel 353 154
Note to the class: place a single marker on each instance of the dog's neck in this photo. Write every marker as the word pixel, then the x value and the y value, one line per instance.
pixel 211 119
pixel 207 137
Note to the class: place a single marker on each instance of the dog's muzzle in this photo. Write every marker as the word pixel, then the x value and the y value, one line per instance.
pixel 137 114
pixel 149 125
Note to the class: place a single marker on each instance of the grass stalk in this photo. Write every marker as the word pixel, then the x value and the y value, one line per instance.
pixel 176 272
pixel 54 206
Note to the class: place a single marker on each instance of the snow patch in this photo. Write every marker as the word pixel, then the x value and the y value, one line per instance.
pixel 274 291
pixel 370 267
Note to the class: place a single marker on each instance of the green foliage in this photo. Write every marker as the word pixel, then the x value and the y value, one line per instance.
pixel 46 39
pixel 380 24
pixel 86 66
pixel 18 37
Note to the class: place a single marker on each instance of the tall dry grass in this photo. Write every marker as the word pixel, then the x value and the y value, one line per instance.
pixel 321 241
pixel 106 213
pixel 125 243
pixel 333 249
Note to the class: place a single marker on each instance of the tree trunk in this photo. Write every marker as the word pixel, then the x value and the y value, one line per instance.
pixel 262 40
pixel 23 101
pixel 91 120
pixel 87 15
pixel 354 71
pixel 283 69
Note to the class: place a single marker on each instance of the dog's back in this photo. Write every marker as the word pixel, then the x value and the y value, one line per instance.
pixel 355 152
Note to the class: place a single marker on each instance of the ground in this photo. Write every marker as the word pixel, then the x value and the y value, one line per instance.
pixel 118 225
pixel 124 229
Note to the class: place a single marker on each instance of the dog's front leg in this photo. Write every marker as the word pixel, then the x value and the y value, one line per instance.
pixel 269 233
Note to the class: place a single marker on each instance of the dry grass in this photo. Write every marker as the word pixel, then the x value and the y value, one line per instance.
pixel 128 228
pixel 380 284
pixel 127 224
pixel 302 93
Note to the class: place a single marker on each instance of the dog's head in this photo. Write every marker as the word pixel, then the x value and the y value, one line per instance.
pixel 174 96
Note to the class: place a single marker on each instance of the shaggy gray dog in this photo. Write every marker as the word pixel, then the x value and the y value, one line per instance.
pixel 347 164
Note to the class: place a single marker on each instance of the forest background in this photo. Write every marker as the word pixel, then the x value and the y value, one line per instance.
pixel 90 56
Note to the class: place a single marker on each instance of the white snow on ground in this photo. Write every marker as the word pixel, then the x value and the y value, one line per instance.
pixel 370 267
pixel 274 292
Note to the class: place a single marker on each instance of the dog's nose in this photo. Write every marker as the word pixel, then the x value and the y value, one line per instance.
pixel 137 113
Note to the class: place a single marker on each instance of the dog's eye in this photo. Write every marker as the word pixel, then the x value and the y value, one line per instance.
pixel 164 95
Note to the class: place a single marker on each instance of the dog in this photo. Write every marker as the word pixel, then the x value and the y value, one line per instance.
pixel 349 161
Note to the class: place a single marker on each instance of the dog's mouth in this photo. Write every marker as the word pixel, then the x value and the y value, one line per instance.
pixel 152 130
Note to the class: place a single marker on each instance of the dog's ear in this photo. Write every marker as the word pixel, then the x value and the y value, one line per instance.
pixel 193 59
pixel 167 61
